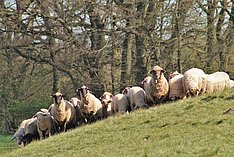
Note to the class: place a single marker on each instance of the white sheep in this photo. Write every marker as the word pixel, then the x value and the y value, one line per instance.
pixel 27 127
pixel 45 124
pixel 194 82
pixel 90 106
pixel 217 82
pixel 147 87
pixel 158 88
pixel 176 87
pixel 79 115
pixel 106 100
pixel 136 97
pixel 63 112
pixel 120 104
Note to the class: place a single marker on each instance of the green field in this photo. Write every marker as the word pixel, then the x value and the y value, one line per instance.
pixel 191 127
pixel 6 144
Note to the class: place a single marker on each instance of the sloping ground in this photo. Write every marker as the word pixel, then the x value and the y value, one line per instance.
pixel 191 127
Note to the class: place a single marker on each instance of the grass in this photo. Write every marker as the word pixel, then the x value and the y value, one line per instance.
pixel 191 127
pixel 6 144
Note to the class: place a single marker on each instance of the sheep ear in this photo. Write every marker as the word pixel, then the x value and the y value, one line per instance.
pixel 111 96
pixel 101 97
pixel 13 138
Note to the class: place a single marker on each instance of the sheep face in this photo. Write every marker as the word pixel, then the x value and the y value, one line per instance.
pixel 57 97
pixel 106 99
pixel 18 136
pixel 82 91
pixel 75 101
pixel 157 72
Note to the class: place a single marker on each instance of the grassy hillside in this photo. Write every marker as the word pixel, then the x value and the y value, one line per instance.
pixel 191 127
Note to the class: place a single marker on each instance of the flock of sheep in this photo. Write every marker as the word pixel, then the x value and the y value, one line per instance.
pixel 63 115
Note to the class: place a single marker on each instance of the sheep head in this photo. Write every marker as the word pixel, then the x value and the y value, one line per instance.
pixel 106 99
pixel 75 101
pixel 57 97
pixel 157 72
pixel 126 90
pixel 82 91
pixel 173 74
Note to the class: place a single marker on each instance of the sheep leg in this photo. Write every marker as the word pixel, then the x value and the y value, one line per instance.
pixel 65 127
pixel 40 134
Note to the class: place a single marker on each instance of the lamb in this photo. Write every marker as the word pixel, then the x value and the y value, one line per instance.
pixel 158 88
pixel 79 115
pixel 45 124
pixel 90 106
pixel 176 88
pixel 217 82
pixel 63 111
pixel 136 97
pixel 120 104
pixel 194 82
pixel 26 128
pixel 106 100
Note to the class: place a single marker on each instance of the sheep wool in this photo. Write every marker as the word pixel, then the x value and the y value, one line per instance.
pixel 217 82
pixel 194 82
pixel 176 88
pixel 158 86
pixel 120 104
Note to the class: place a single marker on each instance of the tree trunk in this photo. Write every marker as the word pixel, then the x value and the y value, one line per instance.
pixel 141 42
pixel 212 4
pixel 97 42
pixel 221 37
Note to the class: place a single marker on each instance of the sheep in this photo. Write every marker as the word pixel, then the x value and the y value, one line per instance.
pixel 194 82
pixel 158 88
pixel 173 74
pixel 79 115
pixel 146 86
pixel 120 104
pixel 106 100
pixel 90 106
pixel 63 111
pixel 136 97
pixel 176 88
pixel 27 127
pixel 217 82
pixel 45 124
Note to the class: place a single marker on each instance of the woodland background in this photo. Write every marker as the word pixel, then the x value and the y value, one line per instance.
pixel 60 45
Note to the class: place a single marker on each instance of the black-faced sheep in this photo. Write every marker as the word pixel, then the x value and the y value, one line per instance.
pixel 63 112
pixel 158 88
pixel 106 100
pixel 90 106
pixel 136 97
pixel 217 82
pixel 194 82
pixel 120 104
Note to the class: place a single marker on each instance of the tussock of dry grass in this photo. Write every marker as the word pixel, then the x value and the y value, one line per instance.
pixel 191 127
